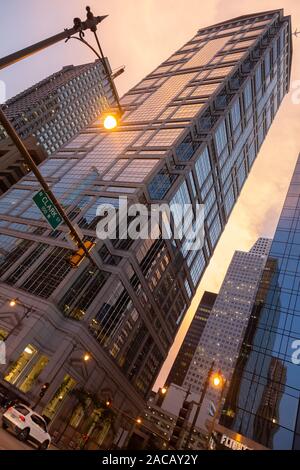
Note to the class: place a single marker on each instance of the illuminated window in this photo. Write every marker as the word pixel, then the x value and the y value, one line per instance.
pixel 3 334
pixel 19 366
pixel 32 376
pixel 61 393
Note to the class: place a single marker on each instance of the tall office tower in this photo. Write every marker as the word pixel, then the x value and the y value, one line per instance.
pixel 225 328
pixel 190 133
pixel 186 352
pixel 60 106
pixel 263 402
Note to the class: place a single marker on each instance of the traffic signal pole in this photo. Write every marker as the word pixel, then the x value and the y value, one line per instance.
pixel 79 27
pixel 199 404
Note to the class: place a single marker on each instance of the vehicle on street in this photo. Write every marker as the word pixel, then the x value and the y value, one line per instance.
pixel 27 425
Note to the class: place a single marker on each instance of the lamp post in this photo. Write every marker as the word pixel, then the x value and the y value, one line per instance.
pixel 199 404
pixel 79 27
pixel 221 381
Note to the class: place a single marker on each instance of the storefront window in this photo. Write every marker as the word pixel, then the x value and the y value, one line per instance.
pixel 18 367
pixel 33 374
pixel 63 390
pixel 77 416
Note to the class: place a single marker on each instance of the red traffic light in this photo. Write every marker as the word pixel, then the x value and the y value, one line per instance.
pixel 44 389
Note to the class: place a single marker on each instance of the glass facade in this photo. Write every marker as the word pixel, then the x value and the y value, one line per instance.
pixel 263 401
pixel 189 133
pixel 58 107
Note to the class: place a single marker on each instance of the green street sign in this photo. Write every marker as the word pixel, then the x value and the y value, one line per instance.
pixel 48 209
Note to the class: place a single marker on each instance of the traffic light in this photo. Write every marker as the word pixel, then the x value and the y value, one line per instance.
pixel 78 256
pixel 181 423
pixel 44 389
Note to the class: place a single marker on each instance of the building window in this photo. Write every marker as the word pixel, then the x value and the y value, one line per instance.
pixel 197 268
pixel 160 184
pixel 21 363
pixel 229 201
pixel 60 395
pixel 47 277
pixel 32 376
pixel 235 114
pixel 203 167
pixel 186 149
pixel 247 94
pixel 83 291
pixel 221 138
pixel 215 231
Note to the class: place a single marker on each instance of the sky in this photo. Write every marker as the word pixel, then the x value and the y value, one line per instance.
pixel 140 34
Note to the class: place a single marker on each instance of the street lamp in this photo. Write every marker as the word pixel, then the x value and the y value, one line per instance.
pixel 164 390
pixel 139 421
pixel 78 27
pixel 13 303
pixel 219 381
pixel 216 380
pixel 86 357
pixel 110 121
pixel 199 404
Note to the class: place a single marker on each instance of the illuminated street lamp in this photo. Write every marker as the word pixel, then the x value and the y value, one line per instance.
pixel 13 303
pixel 139 421
pixel 217 380
pixel 110 121
pixel 164 390
pixel 86 357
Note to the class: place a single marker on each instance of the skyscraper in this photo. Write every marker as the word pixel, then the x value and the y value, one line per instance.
pixel 190 133
pixel 263 402
pixel 225 328
pixel 191 340
pixel 61 105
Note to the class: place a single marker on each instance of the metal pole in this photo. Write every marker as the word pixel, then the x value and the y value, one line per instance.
pixel 199 404
pixel 30 162
pixel 112 84
pixel 212 427
pixel 39 46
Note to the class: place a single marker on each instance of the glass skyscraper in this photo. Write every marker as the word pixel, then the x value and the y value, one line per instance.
pixel 263 401
pixel 190 134
pixel 58 107
pixel 191 340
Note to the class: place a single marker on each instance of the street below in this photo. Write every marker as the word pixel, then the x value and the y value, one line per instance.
pixel 8 441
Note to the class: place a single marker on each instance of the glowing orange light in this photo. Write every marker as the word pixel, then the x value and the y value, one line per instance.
pixel 13 303
pixel 110 122
pixel 217 380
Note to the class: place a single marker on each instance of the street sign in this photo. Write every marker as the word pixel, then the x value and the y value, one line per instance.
pixel 48 209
